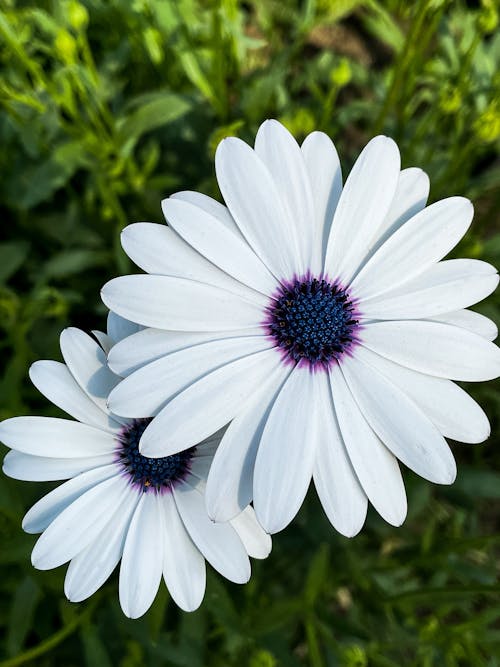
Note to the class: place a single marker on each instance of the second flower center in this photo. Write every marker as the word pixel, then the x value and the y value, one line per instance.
pixel 150 474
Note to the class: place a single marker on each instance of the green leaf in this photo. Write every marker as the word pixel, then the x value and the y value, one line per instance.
pixel 69 262
pixel 93 647
pixel 12 256
pixel 24 603
pixel 158 110
pixel 38 182
pixel 317 575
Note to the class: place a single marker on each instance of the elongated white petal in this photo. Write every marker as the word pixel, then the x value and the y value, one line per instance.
pixel 200 466
pixel 218 542
pixel 209 205
pixel 444 287
pixel 447 405
pixel 207 405
pixel 78 524
pixel 90 568
pixel 103 339
pixel 50 506
pixel 183 564
pixel 363 205
pixel 142 560
pixel 209 446
pixel 178 304
pixel 257 543
pixel 254 202
pixel 86 361
pixel 55 382
pixel 411 197
pixel 376 468
pixel 339 491
pixel 150 344
pixel 285 459
pixel 158 250
pixel 470 320
pixel 434 348
pixel 400 423
pixel 281 154
pixel 145 392
pixel 325 178
pixel 43 469
pixel 218 244
pixel 423 240
pixel 119 328
pixel 55 438
pixel 230 482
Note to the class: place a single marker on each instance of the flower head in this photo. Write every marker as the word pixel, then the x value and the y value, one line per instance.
pixel 119 504
pixel 320 320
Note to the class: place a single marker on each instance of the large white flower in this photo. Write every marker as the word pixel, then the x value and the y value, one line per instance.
pixel 118 504
pixel 319 319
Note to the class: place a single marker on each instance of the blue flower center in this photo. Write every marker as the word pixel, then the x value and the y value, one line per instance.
pixel 150 474
pixel 312 320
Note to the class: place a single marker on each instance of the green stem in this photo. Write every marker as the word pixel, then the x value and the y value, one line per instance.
pixel 400 67
pixel 315 657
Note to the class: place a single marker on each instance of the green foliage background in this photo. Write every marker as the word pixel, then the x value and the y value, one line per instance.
pixel 109 106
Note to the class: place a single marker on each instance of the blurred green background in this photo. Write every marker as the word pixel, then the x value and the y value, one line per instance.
pixel 109 106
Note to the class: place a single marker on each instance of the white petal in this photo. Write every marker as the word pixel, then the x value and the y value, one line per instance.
pixel 444 287
pixel 400 423
pixel 50 506
pixel 119 328
pixel 414 247
pixel 87 363
pixel 285 459
pixel 363 205
pixel 103 339
pixel 211 206
pixel 146 391
pixel 257 543
pixel 281 154
pixel 142 560
pixel 434 348
pixel 207 405
pixel 178 304
pixel 53 380
pixel 43 469
pixel 183 564
pixel 200 466
pixel 325 178
pixel 89 569
pixel 376 468
pixel 218 542
pixel 339 491
pixel 230 483
pixel 209 446
pixel 79 523
pixel 150 344
pixel 449 407
pixel 411 197
pixel 55 438
pixel 254 202
pixel 470 320
pixel 218 244
pixel 158 250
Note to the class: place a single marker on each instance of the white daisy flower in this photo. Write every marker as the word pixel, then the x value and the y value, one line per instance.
pixel 320 319
pixel 118 504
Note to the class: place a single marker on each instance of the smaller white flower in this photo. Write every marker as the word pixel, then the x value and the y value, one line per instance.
pixel 118 504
